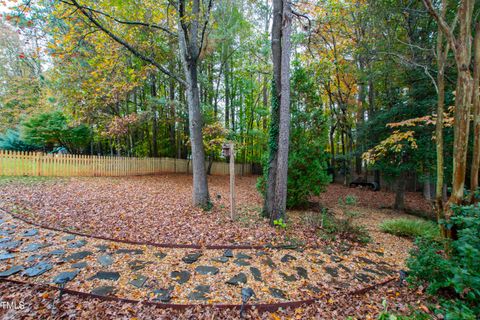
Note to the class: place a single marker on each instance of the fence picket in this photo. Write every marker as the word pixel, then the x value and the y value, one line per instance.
pixel 22 163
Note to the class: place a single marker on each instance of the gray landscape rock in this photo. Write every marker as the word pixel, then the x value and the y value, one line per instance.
pixel 58 252
pixel 9 245
pixel 277 293
pixel 78 244
pixel 5 256
pixel 191 258
pixel 163 295
pixel 69 237
pixel 287 258
pixel 243 256
pixel 105 260
pixel 38 269
pixel 136 265
pixel 332 271
pixel 138 280
pixel 220 259
pixel 79 265
pixel 160 255
pixel 180 276
pixel 106 275
pixel 33 247
pixel 199 293
pixel 129 251
pixel 257 275
pixel 302 272
pixel 241 262
pixel 237 279
pixel 64 277
pixel 29 233
pixel 103 291
pixel 287 277
pixel 206 270
pixel 269 262
pixel 78 256
pixel 12 270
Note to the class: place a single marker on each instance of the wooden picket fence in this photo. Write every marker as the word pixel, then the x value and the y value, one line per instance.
pixel 13 163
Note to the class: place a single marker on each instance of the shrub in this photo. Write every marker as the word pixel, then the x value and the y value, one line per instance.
pixel 456 280
pixel 333 227
pixel 52 129
pixel 307 159
pixel 11 140
pixel 349 200
pixel 410 228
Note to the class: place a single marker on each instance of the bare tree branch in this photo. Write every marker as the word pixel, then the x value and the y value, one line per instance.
pixel 205 24
pixel 89 15
pixel 447 30
pixel 127 22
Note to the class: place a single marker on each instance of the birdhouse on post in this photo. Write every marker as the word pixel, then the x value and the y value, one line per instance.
pixel 226 150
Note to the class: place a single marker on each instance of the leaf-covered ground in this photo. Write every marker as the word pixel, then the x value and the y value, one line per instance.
pixel 158 209
pixel 47 304
pixel 141 272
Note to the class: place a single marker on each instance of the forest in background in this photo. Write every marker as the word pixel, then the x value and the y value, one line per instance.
pixel 105 78
pixel 309 91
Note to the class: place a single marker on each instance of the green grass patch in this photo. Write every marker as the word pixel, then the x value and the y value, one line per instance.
pixel 24 180
pixel 410 228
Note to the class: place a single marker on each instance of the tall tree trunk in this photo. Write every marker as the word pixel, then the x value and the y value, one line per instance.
pixel 427 191
pixel 442 51
pixel 155 117
pixel 227 95
pixel 172 121
pixel 476 116
pixel 200 184
pixel 461 47
pixel 190 53
pixel 332 150
pixel 275 116
pixel 360 119
pixel 400 192
pixel 280 202
pixel 273 154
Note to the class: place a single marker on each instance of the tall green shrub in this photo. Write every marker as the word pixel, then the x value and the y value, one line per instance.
pixel 456 280
pixel 52 129
pixel 307 159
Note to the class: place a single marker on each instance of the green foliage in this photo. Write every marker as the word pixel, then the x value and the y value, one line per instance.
pixel 306 174
pixel 307 159
pixel 214 136
pixel 280 223
pixel 307 163
pixel 456 280
pixel 11 140
pixel 333 228
pixel 349 200
pixel 51 129
pixel 415 315
pixel 410 228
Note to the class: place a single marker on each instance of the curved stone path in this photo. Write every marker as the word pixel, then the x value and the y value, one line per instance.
pixel 181 275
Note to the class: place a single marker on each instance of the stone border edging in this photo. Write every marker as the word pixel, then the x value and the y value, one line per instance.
pixel 270 307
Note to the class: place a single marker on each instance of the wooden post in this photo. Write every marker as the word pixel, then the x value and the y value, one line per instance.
pixel 232 182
